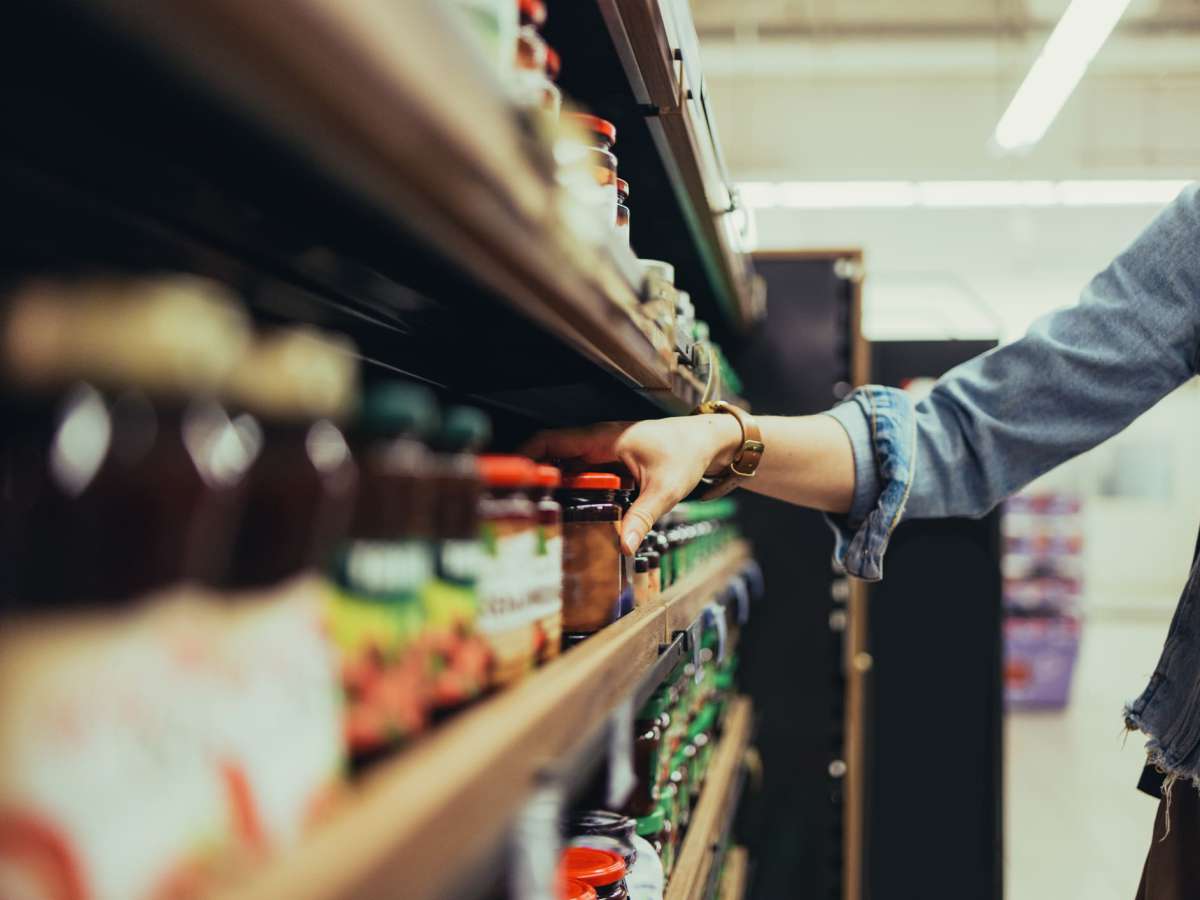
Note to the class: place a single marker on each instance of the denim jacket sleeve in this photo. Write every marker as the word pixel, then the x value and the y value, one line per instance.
pixel 997 422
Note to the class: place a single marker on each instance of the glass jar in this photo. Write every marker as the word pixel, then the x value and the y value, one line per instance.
pixel 647 749
pixel 508 520
pixel 649 549
pixel 604 870
pixel 549 562
pixel 282 693
pixel 641 580
pixel 380 574
pixel 611 826
pixel 599 136
pixel 657 541
pixel 658 301
pixel 592 559
pixel 122 492
pixel 452 601
pixel 655 856
pixel 674 825
pixel 623 209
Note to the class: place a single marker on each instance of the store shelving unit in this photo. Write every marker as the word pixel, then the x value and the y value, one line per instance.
pixel 647 78
pixel 339 180
pixel 336 165
pixel 404 827
pixel 736 874
pixel 697 866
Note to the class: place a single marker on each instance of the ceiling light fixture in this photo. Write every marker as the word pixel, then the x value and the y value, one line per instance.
pixel 993 194
pixel 1076 39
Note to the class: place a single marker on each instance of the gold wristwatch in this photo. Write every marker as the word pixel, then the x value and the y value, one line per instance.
pixel 745 460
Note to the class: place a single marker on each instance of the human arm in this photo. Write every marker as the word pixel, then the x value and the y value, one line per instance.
pixel 810 462
pixel 989 427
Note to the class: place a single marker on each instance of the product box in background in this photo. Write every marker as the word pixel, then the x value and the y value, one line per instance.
pixel 1043 593
pixel 1039 660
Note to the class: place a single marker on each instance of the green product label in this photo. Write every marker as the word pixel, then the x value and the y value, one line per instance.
pixel 377 594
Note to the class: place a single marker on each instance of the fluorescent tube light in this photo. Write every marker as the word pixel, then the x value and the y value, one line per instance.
pixel 987 193
pixel 956 194
pixel 1076 39
pixel 848 194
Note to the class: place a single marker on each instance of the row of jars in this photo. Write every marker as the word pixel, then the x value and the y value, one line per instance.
pixel 217 556
pixel 632 853
pixel 594 199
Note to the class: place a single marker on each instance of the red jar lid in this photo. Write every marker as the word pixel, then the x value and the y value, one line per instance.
pixel 553 63
pixel 592 481
pixel 623 187
pixel 574 889
pixel 507 471
pixel 593 866
pixel 596 125
pixel 532 11
pixel 548 476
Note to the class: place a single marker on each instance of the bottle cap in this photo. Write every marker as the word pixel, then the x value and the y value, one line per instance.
pixel 596 125
pixel 548 476
pixel 398 408
pixel 592 481
pixel 593 866
pixel 507 471
pixel 533 12
pixel 574 889
pixel 465 429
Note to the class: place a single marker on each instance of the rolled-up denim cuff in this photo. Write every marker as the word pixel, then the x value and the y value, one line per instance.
pixel 861 537
pixel 854 421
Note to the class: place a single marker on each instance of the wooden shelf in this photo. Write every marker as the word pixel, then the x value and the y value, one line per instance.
pixel 317 122
pixel 736 874
pixel 449 800
pixel 661 62
pixel 692 878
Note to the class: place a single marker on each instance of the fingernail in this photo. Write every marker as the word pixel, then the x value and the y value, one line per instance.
pixel 631 541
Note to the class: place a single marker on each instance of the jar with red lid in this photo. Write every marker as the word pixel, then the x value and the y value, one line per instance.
pixel 549 561
pixel 604 870
pixel 507 586
pixel 536 64
pixel 592 560
pixel 588 152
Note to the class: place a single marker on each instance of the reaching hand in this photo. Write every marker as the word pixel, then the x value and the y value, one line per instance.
pixel 668 457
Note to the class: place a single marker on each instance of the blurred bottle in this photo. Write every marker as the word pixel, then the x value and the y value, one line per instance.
pixel 277 720
pixel 126 478
pixel 382 572
pixel 461 655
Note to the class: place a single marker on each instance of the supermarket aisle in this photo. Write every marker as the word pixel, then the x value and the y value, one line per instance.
pixel 1077 829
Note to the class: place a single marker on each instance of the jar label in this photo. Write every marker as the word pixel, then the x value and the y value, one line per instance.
pixel 376 612
pixel 280 719
pixel 106 758
pixel 592 570
pixel 508 614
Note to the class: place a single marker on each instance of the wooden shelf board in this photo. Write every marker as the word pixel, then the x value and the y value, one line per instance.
pixel 639 33
pixel 451 797
pixel 736 874
pixel 362 91
pixel 711 817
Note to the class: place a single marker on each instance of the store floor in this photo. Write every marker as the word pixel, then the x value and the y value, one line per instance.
pixel 1076 827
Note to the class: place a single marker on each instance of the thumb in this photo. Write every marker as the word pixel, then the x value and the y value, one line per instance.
pixel 652 504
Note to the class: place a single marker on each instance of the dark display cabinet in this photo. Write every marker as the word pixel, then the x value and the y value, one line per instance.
pixel 808 357
pixel 932 714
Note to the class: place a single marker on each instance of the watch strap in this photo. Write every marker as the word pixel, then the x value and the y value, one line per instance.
pixel 748 456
